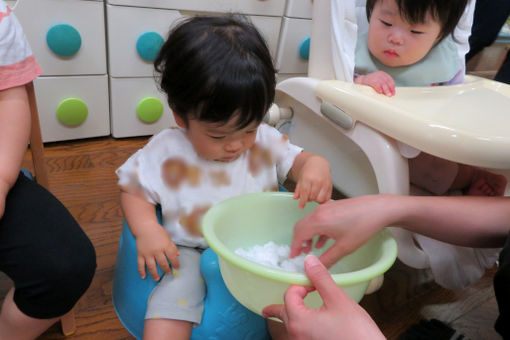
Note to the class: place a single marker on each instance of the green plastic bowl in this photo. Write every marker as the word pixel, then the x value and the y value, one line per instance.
pixel 255 219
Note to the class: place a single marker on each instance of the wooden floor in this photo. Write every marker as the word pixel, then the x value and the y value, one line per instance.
pixel 82 177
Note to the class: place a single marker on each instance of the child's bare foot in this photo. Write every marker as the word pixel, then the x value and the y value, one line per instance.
pixel 486 183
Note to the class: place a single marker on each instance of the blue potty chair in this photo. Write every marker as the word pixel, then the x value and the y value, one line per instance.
pixel 224 318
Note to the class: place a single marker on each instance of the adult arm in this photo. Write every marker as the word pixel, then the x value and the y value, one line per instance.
pixel 14 134
pixel 471 221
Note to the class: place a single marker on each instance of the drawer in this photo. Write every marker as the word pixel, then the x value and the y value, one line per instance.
pixel 292 56
pixel 256 7
pixel 134 100
pixel 66 36
pixel 73 107
pixel 299 9
pixel 128 27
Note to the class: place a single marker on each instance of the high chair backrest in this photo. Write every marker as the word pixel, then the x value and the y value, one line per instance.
pixel 335 27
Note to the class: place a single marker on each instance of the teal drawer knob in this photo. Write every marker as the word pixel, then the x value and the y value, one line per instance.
pixel 148 45
pixel 149 109
pixel 63 39
pixel 304 49
pixel 72 111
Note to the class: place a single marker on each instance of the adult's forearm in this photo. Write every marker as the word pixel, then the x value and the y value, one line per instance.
pixel 463 220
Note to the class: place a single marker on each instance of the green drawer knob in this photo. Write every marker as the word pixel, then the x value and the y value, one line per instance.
pixel 72 111
pixel 63 39
pixel 304 49
pixel 148 45
pixel 149 109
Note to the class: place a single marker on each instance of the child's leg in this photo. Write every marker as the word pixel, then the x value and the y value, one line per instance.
pixel 485 183
pixel 439 175
pixel 277 330
pixel 432 173
pixel 177 302
pixel 160 329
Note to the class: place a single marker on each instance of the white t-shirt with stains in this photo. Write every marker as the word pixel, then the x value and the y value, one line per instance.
pixel 169 172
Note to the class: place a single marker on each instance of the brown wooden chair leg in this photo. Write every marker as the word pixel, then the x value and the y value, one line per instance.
pixel 68 323
pixel 41 175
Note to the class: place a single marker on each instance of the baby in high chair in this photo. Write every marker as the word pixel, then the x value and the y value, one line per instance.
pixel 411 43
pixel 219 79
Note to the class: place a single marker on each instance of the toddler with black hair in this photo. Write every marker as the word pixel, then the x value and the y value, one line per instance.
pixel 220 81
pixel 411 43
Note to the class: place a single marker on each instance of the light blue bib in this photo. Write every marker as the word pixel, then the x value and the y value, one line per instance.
pixel 440 65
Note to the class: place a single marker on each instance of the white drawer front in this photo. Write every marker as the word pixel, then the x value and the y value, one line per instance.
pixel 293 34
pixel 299 9
pixel 258 7
pixel 126 95
pixel 81 22
pixel 126 25
pixel 53 93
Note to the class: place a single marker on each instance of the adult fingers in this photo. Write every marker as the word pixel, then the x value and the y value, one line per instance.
pixel 321 241
pixel 322 281
pixel 333 254
pixel 275 311
pixel 302 238
pixel 294 304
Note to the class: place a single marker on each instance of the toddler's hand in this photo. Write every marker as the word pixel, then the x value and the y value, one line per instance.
pixel 314 183
pixel 156 247
pixel 380 81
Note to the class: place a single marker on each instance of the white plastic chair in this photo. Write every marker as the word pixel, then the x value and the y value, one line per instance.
pixel 357 129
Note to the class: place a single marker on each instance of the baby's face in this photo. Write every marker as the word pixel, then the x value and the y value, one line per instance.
pixel 396 42
pixel 221 142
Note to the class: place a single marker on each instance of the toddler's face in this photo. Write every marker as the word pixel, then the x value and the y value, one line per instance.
pixel 221 142
pixel 396 42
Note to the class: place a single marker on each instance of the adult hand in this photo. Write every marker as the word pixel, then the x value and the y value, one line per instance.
pixel 350 222
pixel 338 318
pixel 155 246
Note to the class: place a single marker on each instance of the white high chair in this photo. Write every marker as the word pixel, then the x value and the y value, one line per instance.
pixel 357 129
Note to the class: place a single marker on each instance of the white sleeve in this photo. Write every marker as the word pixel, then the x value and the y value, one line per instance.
pixel 129 177
pixel 282 149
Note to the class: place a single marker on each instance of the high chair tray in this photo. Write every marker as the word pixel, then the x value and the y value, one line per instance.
pixel 467 123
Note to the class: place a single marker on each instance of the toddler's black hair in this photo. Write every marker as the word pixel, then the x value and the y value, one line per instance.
pixel 213 68
pixel 446 12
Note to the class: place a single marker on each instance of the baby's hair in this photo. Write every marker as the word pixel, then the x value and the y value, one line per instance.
pixel 446 12
pixel 213 68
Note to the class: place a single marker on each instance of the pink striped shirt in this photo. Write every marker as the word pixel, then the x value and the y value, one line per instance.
pixel 17 63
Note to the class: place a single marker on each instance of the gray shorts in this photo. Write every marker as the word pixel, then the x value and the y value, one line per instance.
pixel 180 295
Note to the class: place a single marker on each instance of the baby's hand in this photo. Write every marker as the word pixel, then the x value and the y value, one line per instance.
pixel 380 81
pixel 314 183
pixel 156 247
